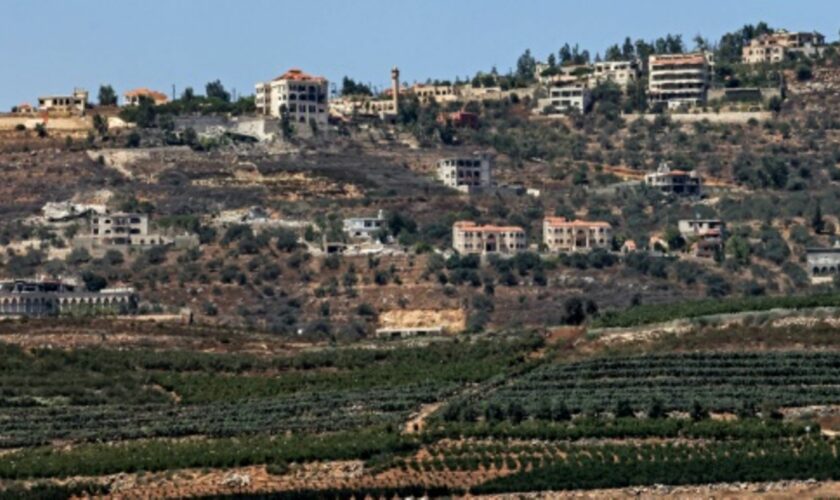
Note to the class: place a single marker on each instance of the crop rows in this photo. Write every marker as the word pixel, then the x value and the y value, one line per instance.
pixel 316 412
pixel 717 381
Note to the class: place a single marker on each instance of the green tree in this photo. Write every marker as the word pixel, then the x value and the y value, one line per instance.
pixel 100 124
pixel 107 96
pixel 215 90
pixel 526 66
pixel 817 221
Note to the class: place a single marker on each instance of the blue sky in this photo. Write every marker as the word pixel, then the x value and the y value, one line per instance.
pixel 50 46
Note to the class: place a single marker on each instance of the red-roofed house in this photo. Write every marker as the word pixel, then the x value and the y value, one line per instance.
pixel 132 97
pixel 300 96
pixel 470 238
pixel 563 235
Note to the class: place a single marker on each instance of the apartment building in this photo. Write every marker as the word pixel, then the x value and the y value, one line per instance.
pixel 566 97
pixel 467 175
pixel 774 47
pixel 563 235
pixel 364 227
pixel 132 97
pixel 470 238
pixel 679 79
pixel 297 95
pixel 679 182
pixel 621 73
pixel 73 103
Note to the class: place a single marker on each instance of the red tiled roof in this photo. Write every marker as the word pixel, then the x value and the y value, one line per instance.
pixel 299 76
pixel 152 94
pixel 677 59
pixel 563 222
pixel 488 228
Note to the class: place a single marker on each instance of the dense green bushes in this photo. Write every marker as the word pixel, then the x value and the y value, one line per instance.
pixel 655 313
pixel 157 455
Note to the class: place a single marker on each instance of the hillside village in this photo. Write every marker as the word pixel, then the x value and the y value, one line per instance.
pixel 353 206
pixel 582 273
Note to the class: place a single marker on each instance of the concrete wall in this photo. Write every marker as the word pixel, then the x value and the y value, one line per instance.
pixel 722 117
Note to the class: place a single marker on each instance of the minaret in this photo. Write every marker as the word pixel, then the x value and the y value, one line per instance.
pixel 395 84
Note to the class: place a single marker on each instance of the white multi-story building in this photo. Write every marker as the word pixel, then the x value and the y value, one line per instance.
pixel 364 227
pixel 679 79
pixel 566 97
pixel 562 235
pixel 465 174
pixel 621 73
pixel 470 238
pixel 774 47
pixel 295 94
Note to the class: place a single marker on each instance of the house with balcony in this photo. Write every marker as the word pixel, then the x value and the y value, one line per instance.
pixel 296 95
pixel 563 235
pixel 471 238
pixel 775 47
pixel 677 80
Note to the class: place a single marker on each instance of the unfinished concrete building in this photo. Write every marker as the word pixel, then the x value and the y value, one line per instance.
pixel 621 73
pixel 678 182
pixel 471 238
pixel 563 235
pixel 75 103
pixel 299 96
pixel 119 231
pixel 775 47
pixel 677 80
pixel 704 236
pixel 364 227
pixel 466 174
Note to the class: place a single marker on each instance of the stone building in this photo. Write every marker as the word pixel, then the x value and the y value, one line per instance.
pixel 51 298
pixel 466 174
pixel 679 79
pixel 823 263
pixel 562 235
pixel 295 94
pixel 132 97
pixel 75 103
pixel 775 47
pixel 621 73
pixel 439 93
pixel 679 182
pixel 470 238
